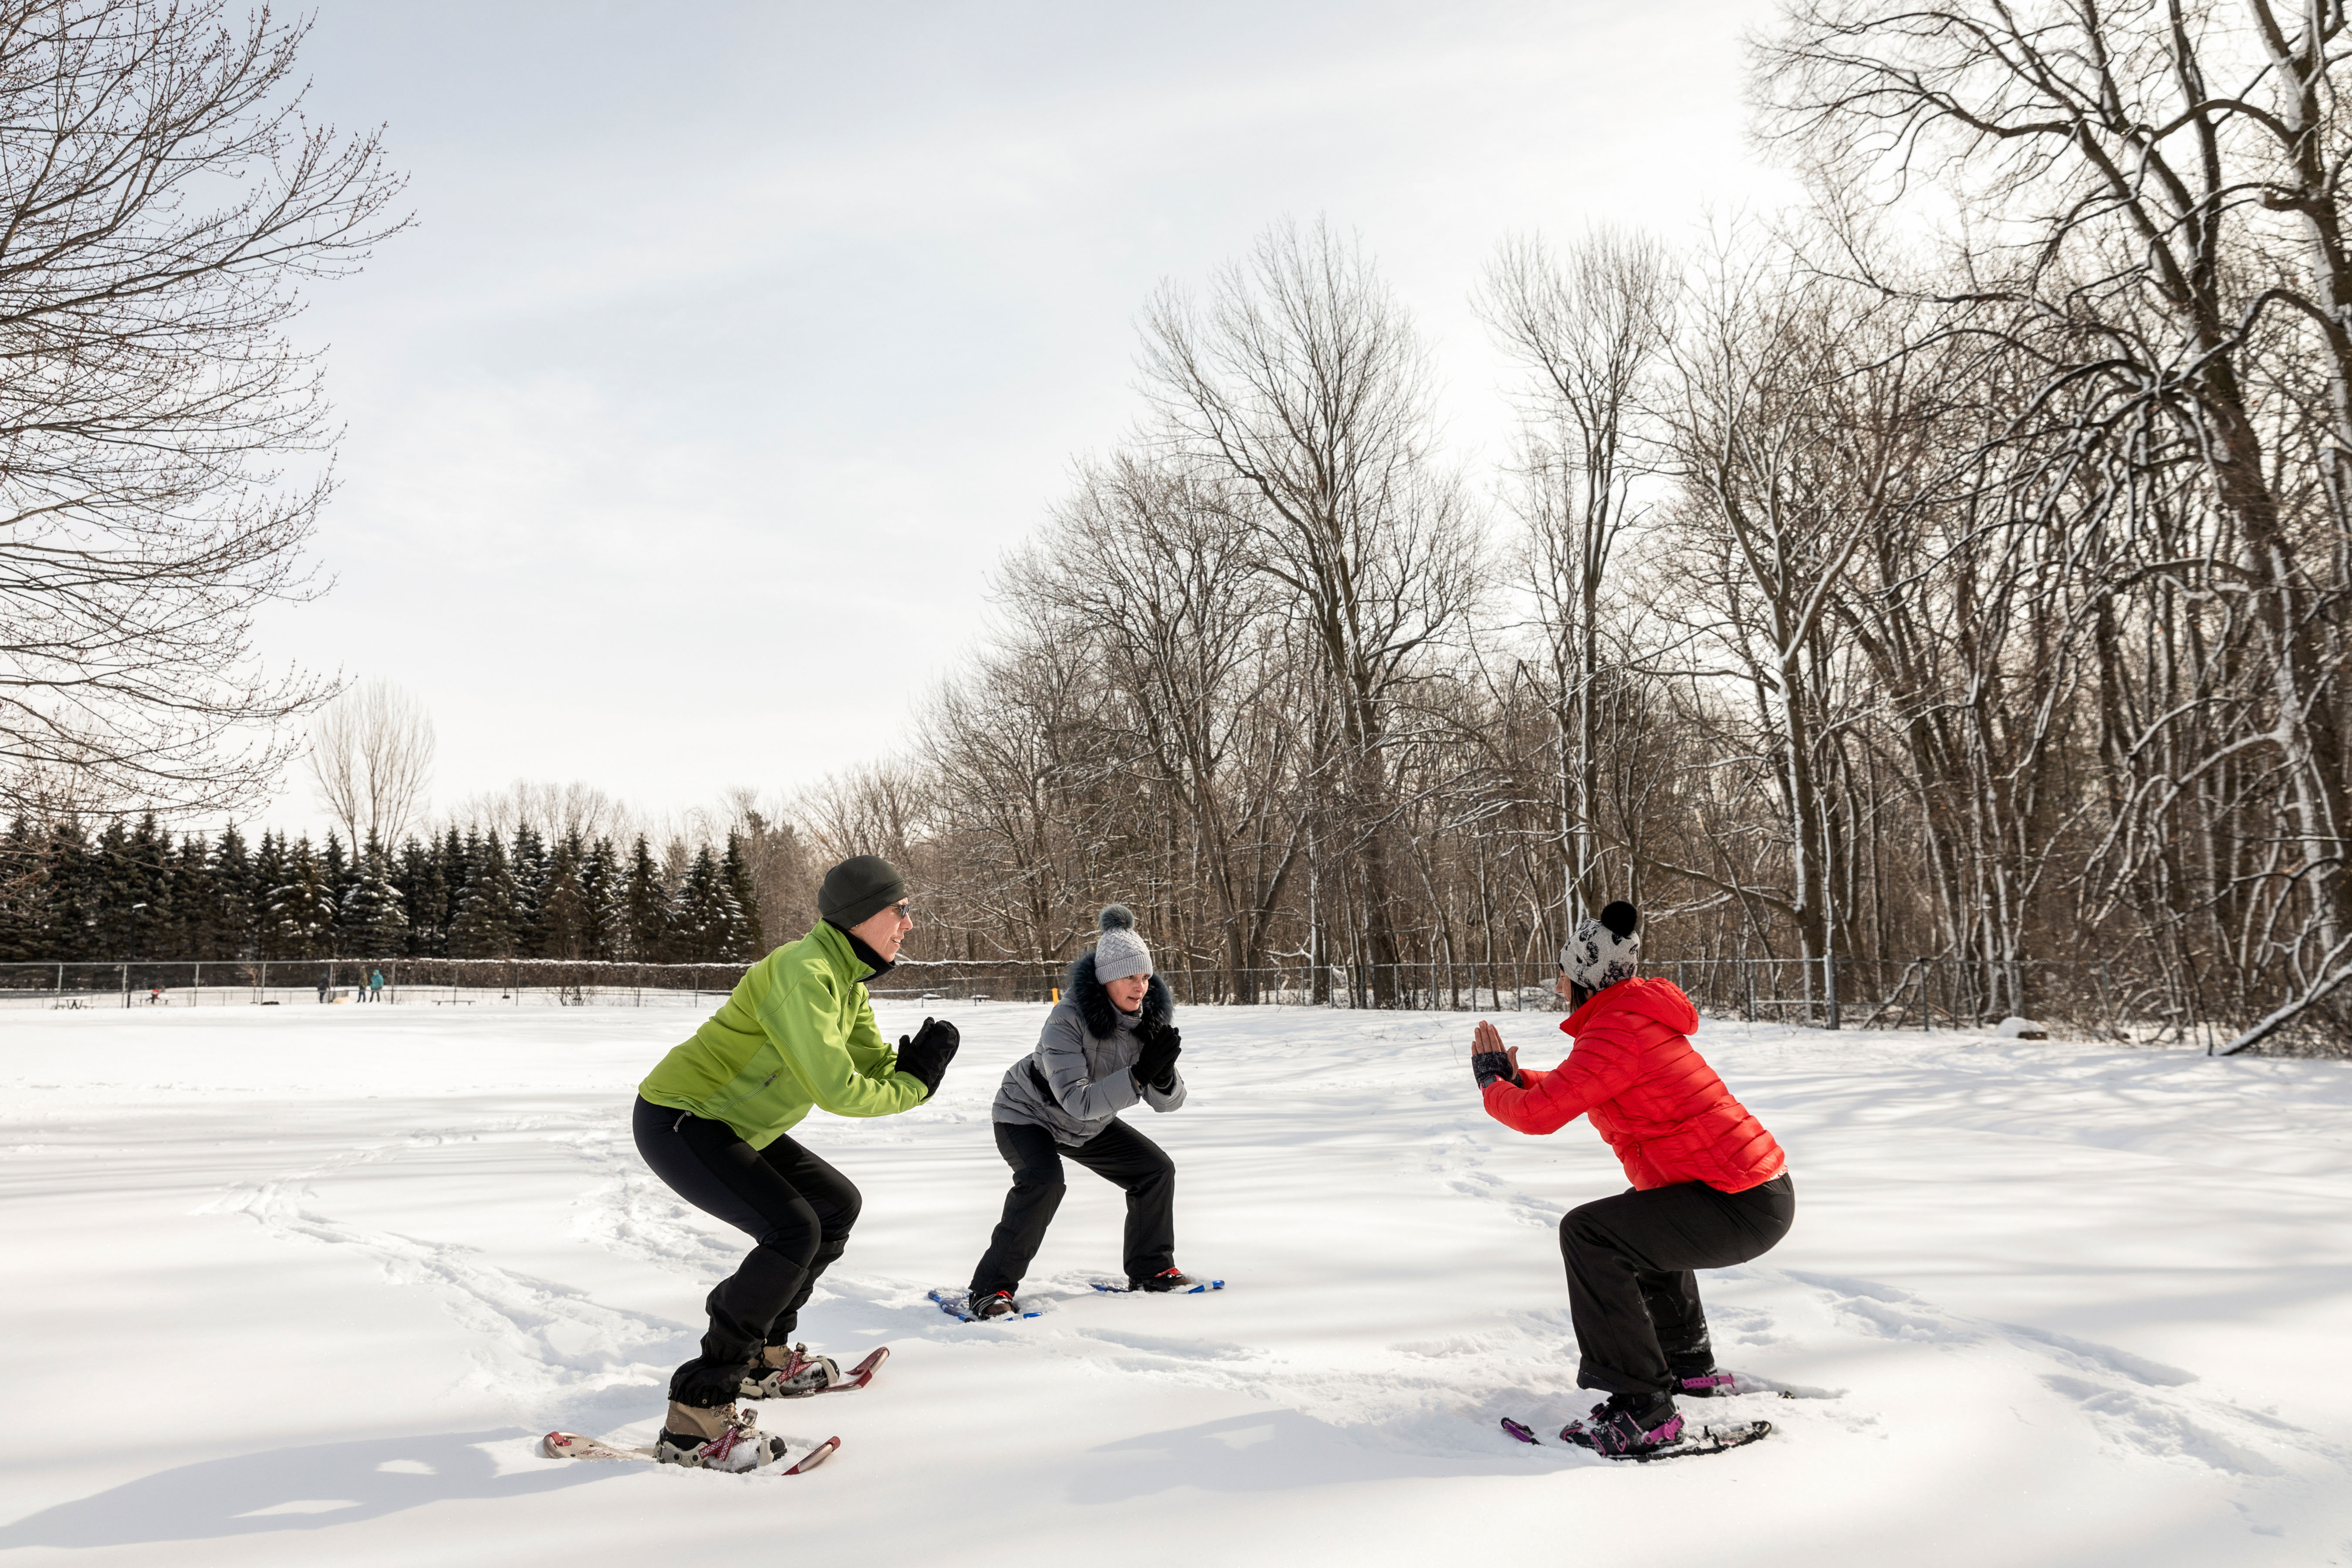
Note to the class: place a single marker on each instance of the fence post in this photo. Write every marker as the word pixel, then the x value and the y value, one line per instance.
pixel 1829 985
pixel 126 987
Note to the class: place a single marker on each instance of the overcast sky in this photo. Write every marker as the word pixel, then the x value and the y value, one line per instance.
pixel 735 342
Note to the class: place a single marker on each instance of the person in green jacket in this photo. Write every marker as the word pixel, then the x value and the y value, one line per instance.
pixel 712 1121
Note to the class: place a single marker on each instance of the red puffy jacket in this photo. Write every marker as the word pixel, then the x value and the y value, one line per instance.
pixel 1647 1091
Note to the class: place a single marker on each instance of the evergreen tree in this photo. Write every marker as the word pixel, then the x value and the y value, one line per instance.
pixel 425 897
pixel 300 911
pixel 375 925
pixel 71 922
pixel 485 926
pixel 231 882
pixel 564 914
pixel 703 918
pixel 527 862
pixel 269 874
pixel 603 889
pixel 195 914
pixel 747 943
pixel 342 874
pixel 114 887
pixel 158 925
pixel 647 905
pixel 24 878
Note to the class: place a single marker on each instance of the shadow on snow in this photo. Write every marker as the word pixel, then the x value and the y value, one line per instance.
pixel 303 1488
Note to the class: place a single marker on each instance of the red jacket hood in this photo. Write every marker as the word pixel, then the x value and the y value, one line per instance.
pixel 1661 1000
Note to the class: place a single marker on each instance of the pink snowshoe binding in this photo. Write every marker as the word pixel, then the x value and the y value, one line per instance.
pixel 789 1372
pixel 1715 1385
pixel 1627 1426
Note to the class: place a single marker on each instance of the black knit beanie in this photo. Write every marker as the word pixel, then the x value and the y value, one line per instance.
pixel 858 889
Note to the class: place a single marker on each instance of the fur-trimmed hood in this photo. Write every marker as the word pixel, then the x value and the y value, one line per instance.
pixel 1094 1002
pixel 1081 1076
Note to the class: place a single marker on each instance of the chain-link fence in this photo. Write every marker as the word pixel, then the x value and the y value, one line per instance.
pixel 1929 994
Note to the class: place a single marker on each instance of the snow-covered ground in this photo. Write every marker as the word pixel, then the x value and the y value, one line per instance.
pixel 304 1285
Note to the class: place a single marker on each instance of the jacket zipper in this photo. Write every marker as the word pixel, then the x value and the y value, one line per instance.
pixel 718 1114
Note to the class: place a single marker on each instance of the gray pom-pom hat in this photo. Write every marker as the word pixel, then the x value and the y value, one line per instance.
pixel 1604 951
pixel 1120 952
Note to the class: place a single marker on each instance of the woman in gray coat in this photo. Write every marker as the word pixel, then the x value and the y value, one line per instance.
pixel 1110 1043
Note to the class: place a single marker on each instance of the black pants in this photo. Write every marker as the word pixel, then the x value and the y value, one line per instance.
pixel 1122 1156
pixel 798 1208
pixel 1631 1292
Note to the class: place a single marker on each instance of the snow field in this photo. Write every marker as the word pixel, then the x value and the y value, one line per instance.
pixel 313 1282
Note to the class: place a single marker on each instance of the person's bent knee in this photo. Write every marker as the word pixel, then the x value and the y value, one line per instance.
pixel 849 1203
pixel 1583 1228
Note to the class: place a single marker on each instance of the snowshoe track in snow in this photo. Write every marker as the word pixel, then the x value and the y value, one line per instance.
pixel 537 1340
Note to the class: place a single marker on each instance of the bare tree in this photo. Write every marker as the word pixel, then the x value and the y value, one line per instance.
pixel 2153 206
pixel 1152 565
pixel 565 810
pixel 1305 379
pixel 372 758
pixel 1588 329
pixel 162 196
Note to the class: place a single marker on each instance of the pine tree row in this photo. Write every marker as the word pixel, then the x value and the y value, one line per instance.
pixel 132 892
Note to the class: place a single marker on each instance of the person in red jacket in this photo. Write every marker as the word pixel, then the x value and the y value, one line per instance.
pixel 1710 1186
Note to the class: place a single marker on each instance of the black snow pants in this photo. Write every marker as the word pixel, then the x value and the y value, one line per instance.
pixel 795 1206
pixel 1632 1294
pixel 1122 1156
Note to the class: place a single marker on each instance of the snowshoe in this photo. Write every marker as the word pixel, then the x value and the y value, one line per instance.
pixel 1626 1427
pixel 955 1304
pixel 1186 1286
pixel 723 1439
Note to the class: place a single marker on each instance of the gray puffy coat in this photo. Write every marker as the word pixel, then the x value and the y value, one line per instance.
pixel 1084 1055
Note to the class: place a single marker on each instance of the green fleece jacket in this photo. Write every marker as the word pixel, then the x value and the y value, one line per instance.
pixel 797 1032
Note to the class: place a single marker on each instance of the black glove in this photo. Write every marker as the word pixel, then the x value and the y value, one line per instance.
pixel 927 1055
pixel 1488 1067
pixel 1156 1065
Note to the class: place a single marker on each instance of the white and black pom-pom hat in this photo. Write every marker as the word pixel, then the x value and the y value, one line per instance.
pixel 1604 950
pixel 1120 952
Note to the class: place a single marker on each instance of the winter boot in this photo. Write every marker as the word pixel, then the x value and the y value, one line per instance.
pixel 1626 1426
pixel 716 1437
pixel 789 1372
pixel 996 1304
pixel 1166 1280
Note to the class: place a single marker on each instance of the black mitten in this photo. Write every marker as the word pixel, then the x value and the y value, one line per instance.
pixel 1156 1065
pixel 926 1056
pixel 1488 1067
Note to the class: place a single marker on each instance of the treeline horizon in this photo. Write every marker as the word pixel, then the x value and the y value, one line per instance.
pixel 132 890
